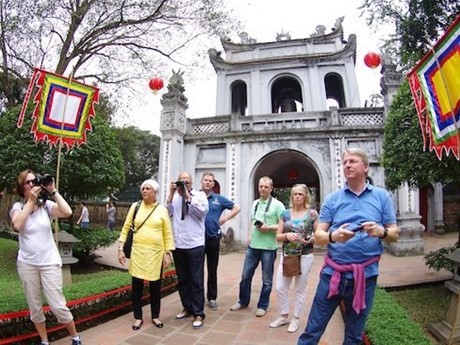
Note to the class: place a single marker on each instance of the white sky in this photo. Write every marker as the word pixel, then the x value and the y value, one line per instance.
pixel 263 19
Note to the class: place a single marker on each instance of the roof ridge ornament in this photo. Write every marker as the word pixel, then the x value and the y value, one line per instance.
pixel 283 36
pixel 246 39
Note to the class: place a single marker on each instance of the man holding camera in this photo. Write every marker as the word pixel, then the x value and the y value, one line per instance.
pixel 213 222
pixel 188 208
pixel 262 247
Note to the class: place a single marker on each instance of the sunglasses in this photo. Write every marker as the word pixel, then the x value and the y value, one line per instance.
pixel 29 182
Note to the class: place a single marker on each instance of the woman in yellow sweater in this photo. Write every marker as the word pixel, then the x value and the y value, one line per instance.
pixel 151 250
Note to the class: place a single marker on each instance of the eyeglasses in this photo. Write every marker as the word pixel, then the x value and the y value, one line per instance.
pixel 29 182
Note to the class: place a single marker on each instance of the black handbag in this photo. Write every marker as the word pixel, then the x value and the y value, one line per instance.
pixel 128 245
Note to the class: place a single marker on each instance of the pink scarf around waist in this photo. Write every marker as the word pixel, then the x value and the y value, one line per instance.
pixel 359 292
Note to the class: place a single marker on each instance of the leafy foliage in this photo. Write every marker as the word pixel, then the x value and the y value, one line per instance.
pixel 91 169
pixel 92 240
pixel 140 150
pixel 403 156
pixel 417 23
pixel 437 259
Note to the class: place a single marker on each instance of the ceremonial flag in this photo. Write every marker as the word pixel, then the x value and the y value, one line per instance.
pixel 63 108
pixel 435 87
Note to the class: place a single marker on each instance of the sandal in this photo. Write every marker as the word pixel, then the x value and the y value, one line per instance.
pixel 157 323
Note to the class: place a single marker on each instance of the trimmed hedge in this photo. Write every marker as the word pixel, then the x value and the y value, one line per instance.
pixel 389 323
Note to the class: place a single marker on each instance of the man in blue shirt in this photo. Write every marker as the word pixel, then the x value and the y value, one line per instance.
pixel 213 222
pixel 353 222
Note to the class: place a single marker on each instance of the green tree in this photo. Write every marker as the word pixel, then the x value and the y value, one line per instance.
pixel 140 150
pixel 416 23
pixel 92 169
pixel 403 156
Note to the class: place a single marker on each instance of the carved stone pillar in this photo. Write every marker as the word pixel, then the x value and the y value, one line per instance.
pixel 438 209
pixel 410 241
pixel 173 126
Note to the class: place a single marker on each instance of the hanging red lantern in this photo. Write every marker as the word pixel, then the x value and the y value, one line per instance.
pixel 156 84
pixel 292 174
pixel 372 60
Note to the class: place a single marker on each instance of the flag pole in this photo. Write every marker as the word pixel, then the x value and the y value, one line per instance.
pixel 58 164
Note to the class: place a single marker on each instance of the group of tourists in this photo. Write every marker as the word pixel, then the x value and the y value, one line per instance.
pixel 353 222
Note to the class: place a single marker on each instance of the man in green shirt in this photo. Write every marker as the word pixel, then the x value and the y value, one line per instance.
pixel 262 247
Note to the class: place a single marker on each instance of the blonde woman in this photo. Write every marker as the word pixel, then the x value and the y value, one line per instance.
pixel 296 229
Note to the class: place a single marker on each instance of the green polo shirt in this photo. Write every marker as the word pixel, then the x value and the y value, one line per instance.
pixel 265 240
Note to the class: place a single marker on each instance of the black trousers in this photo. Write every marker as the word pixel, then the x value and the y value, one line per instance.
pixel 212 248
pixel 190 278
pixel 155 297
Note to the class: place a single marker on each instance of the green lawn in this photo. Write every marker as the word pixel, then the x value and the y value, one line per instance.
pixel 424 304
pixel 83 284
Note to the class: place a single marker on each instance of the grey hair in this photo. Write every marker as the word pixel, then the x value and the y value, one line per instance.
pixel 152 183
pixel 357 152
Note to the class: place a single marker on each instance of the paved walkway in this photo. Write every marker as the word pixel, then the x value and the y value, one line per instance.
pixel 224 327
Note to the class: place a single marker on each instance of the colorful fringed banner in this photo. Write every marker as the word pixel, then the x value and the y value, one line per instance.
pixel 435 87
pixel 63 108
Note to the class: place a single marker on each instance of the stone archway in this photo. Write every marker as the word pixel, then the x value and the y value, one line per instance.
pixel 288 167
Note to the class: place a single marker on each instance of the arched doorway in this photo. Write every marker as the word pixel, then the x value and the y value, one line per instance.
pixel 286 168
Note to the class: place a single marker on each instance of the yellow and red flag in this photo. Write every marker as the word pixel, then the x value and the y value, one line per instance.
pixel 435 87
pixel 63 108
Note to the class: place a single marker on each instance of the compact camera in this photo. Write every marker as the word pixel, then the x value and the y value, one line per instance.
pixel 258 223
pixel 42 180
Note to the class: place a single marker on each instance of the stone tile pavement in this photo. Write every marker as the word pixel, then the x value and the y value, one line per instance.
pixel 222 326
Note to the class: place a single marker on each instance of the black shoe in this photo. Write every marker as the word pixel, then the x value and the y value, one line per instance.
pixel 158 323
pixel 136 325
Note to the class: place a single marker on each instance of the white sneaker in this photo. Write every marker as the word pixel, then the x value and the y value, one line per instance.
pixel 293 326
pixel 280 321
pixel 260 312
pixel 237 306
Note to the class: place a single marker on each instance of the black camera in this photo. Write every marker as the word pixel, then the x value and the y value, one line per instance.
pixel 258 223
pixel 42 180
pixel 180 184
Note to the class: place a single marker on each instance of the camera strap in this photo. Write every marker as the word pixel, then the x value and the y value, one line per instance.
pixel 266 208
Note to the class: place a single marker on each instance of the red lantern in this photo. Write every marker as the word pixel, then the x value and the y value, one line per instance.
pixel 372 60
pixel 156 84
pixel 292 174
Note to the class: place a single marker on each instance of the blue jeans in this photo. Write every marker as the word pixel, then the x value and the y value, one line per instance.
pixel 323 308
pixel 251 261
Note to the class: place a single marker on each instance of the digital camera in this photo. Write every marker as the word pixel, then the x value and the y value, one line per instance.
pixel 42 180
pixel 180 184
pixel 258 223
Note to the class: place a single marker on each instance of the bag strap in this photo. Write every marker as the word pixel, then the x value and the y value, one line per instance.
pixel 135 212
pixel 145 217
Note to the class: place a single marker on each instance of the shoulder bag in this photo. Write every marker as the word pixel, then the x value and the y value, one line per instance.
pixel 291 264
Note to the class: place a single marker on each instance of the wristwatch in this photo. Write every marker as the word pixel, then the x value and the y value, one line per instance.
pixel 385 233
